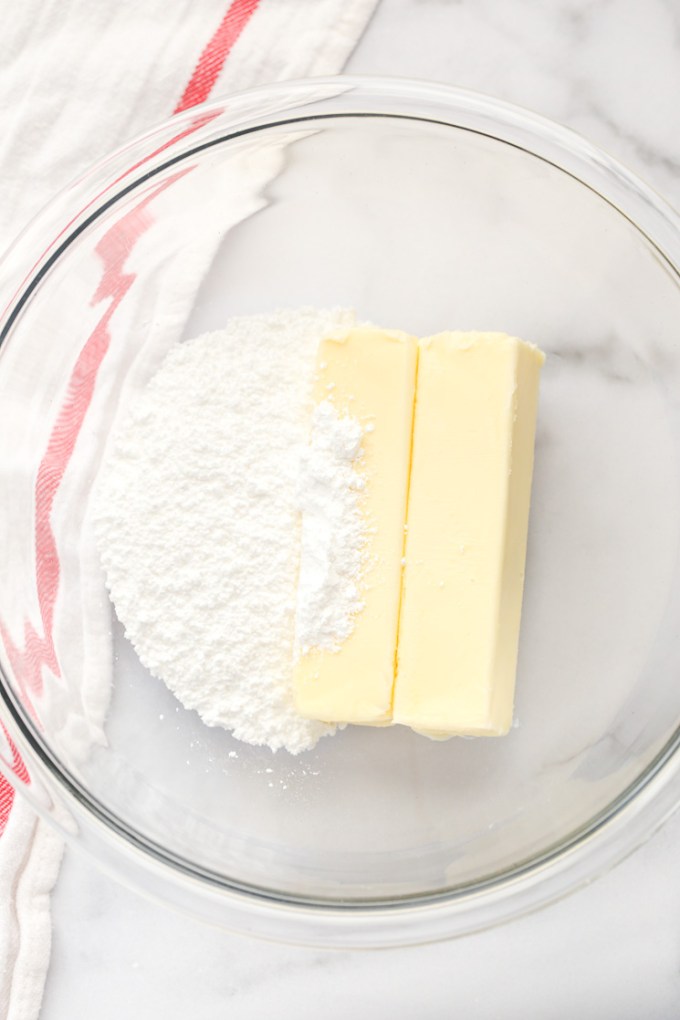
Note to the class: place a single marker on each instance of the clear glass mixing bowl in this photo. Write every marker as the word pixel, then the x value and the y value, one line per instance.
pixel 424 208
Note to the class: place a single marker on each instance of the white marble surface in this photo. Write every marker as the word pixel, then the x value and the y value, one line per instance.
pixel 612 71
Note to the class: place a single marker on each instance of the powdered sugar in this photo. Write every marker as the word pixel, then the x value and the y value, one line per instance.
pixel 333 531
pixel 197 518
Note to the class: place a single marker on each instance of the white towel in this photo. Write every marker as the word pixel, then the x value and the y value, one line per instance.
pixel 79 78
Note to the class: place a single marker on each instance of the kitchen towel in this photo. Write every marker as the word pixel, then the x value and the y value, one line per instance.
pixel 79 78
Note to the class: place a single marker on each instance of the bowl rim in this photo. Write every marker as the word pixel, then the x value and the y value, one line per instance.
pixel 610 835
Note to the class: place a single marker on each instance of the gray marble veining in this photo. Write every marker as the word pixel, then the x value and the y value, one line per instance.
pixel 609 70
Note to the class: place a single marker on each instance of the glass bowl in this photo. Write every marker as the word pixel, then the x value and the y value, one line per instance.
pixel 424 208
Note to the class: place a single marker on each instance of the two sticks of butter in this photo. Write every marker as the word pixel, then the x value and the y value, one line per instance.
pixel 448 465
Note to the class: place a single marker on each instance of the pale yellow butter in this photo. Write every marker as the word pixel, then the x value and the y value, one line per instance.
pixel 473 451
pixel 369 374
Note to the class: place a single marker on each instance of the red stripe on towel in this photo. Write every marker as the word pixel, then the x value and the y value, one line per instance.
pixel 114 249
pixel 39 651
pixel 6 788
pixel 211 60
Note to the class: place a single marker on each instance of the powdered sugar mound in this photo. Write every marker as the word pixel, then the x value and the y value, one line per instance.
pixel 333 531
pixel 197 521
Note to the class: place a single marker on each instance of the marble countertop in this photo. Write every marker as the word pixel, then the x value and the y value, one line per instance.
pixel 612 950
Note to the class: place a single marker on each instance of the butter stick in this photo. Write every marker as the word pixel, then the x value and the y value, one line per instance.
pixel 370 375
pixel 473 451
